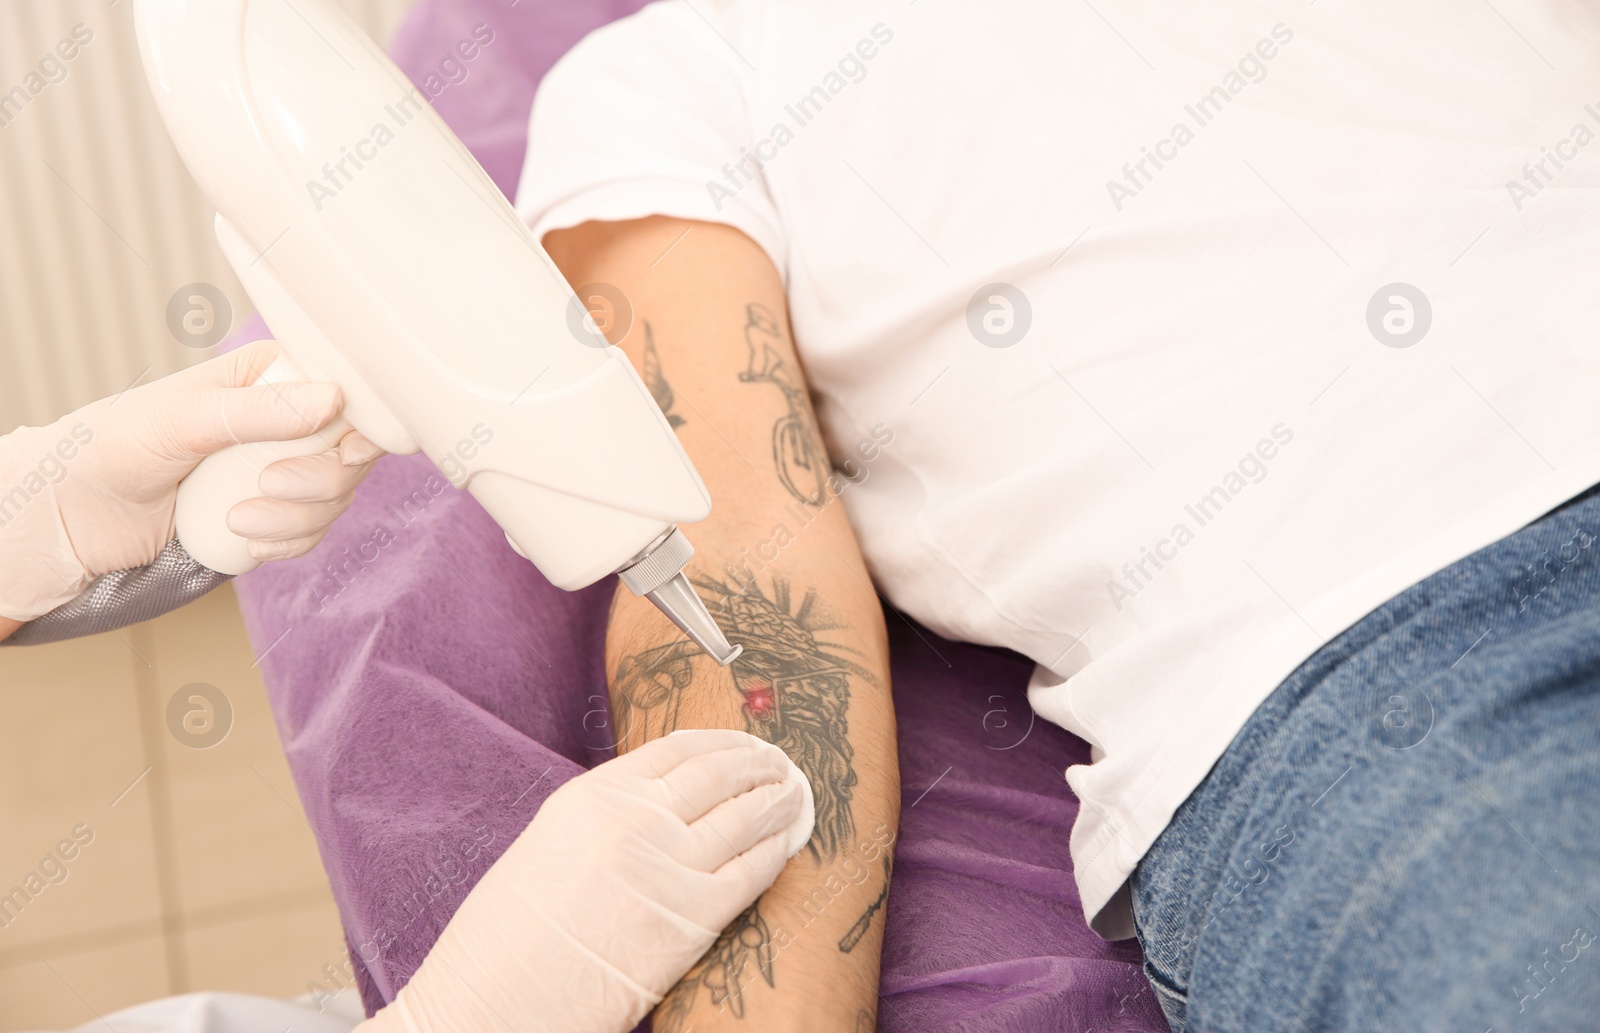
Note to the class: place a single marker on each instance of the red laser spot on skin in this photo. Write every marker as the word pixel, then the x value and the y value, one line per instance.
pixel 759 699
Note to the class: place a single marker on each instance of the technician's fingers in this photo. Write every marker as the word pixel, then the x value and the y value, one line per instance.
pixel 238 368
pixel 221 402
pixel 320 478
pixel 659 756
pixel 700 784
pixel 737 825
pixel 274 520
pixel 186 424
pixel 286 550
pixel 751 874
pixel 219 417
pixel 356 450
pixel 241 367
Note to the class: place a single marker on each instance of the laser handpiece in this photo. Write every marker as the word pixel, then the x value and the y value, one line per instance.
pixel 386 260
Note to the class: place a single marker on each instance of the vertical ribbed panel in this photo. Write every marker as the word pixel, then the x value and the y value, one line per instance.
pixel 99 221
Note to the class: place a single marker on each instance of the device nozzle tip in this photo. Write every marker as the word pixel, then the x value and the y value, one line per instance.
pixel 657 574
pixel 677 599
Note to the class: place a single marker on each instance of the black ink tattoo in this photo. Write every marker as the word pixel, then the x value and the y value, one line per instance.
pixel 866 1022
pixel 793 689
pixel 853 935
pixel 722 972
pixel 656 381
pixel 650 686
pixel 797 449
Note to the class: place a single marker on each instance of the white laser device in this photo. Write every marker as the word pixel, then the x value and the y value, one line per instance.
pixel 386 261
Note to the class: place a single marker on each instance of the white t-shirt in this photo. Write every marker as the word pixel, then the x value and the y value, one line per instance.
pixel 1197 430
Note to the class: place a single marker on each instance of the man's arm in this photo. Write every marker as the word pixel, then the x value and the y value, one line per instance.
pixel 778 565
pixel 7 626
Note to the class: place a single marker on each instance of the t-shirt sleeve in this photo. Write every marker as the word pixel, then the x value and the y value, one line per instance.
pixel 648 116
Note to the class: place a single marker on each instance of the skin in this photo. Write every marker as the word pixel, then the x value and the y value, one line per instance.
pixel 778 565
pixel 7 626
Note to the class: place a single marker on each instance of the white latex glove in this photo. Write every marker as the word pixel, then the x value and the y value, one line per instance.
pixel 624 879
pixel 93 492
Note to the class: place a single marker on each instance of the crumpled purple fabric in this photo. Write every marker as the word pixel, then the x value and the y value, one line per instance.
pixel 432 689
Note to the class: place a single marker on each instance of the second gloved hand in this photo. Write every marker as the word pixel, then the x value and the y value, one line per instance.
pixel 95 490
pixel 624 879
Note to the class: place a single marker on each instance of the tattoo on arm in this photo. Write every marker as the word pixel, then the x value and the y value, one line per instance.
pixel 853 935
pixel 722 972
pixel 793 689
pixel 656 381
pixel 797 451
pixel 792 685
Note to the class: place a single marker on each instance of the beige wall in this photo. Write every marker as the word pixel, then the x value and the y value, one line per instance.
pixel 99 222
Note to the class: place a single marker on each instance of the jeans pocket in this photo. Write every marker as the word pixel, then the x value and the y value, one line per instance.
pixel 1174 1002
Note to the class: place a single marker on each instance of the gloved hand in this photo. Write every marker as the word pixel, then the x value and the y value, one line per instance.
pixel 93 492
pixel 624 879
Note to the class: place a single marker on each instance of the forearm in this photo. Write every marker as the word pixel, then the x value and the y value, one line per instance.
pixel 778 566
pixel 806 955
pixel 7 626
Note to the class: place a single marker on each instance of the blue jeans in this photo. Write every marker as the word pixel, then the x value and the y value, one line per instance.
pixel 1405 836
